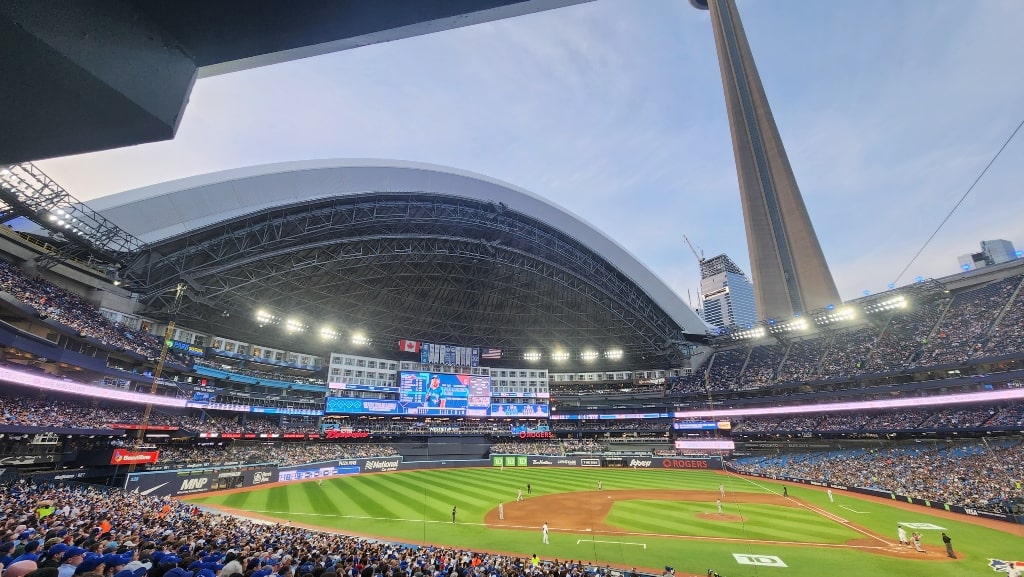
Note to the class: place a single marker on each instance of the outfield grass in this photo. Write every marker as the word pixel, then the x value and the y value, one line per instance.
pixel 416 506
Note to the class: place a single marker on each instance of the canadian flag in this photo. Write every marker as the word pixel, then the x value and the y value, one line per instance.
pixel 409 346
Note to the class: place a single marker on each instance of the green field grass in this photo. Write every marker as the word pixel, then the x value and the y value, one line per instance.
pixel 807 535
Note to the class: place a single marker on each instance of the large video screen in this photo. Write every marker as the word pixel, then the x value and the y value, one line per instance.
pixel 424 393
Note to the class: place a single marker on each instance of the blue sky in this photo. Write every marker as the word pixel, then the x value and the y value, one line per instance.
pixel 614 110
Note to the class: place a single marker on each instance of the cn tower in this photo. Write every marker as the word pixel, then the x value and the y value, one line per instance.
pixel 789 270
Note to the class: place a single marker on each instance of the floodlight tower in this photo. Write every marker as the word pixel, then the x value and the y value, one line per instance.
pixel 788 267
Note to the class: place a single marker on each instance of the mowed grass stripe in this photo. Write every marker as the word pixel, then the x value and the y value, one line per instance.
pixel 321 499
pixel 405 496
pixel 366 495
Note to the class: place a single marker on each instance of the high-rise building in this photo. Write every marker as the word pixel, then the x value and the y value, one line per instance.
pixel 788 267
pixel 726 295
pixel 992 252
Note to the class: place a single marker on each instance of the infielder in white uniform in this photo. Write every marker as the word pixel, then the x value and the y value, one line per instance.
pixel 519 496
pixel 902 534
pixel 830 498
pixel 501 511
pixel 544 528
pixel 721 491
pixel 719 506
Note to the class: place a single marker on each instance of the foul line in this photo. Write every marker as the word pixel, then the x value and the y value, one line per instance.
pixel 644 545
pixel 854 510
pixel 819 511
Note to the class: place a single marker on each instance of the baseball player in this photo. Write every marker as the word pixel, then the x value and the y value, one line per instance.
pixel 721 491
pixel 519 495
pixel 600 485
pixel 830 498
pixel 501 511
pixel 902 534
pixel 529 489
pixel 544 529
pixel 719 506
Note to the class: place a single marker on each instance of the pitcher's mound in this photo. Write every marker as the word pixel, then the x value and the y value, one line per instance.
pixel 722 517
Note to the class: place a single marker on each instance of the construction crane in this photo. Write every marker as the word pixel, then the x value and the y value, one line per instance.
pixel 693 249
pixel 179 291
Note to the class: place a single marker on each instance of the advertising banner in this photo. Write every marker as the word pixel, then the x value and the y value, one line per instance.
pixel 192 481
pixel 339 467
pixel 623 462
pixel 124 457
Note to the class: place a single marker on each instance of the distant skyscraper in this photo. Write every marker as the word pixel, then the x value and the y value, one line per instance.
pixel 726 295
pixel 789 270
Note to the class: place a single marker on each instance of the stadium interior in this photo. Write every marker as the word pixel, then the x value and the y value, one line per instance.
pixel 428 315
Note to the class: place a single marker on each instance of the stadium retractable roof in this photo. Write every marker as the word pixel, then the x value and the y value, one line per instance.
pixel 397 251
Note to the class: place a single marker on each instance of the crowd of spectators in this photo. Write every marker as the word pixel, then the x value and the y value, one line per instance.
pixel 903 335
pixel 282 454
pixel 28 412
pixel 67 308
pixel 610 426
pixel 977 416
pixel 929 333
pixel 848 352
pixel 963 329
pixel 976 474
pixel 604 388
pixel 554 447
pixel 1008 332
pixel 73 414
pixel 802 361
pixel 154 537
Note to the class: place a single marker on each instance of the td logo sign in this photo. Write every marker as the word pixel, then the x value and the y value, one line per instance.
pixel 763 560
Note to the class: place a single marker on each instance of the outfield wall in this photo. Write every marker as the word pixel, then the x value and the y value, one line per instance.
pixel 890 495
pixel 193 481
pixel 682 463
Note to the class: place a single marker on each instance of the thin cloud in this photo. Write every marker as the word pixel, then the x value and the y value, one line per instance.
pixel 614 109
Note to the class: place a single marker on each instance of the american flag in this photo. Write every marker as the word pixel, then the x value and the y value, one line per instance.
pixel 490 353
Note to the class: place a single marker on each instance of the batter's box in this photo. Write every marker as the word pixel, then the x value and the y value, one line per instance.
pixel 762 560
pixel 923 526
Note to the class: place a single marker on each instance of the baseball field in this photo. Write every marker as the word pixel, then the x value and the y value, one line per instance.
pixel 642 518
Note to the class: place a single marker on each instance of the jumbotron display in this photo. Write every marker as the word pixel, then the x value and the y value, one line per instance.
pixel 422 393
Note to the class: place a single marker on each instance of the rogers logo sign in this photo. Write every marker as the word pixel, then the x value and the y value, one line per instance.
pixel 639 463
pixel 384 466
pixel 535 434
pixel 260 477
pixel 684 463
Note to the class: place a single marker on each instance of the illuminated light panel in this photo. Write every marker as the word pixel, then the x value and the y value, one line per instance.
pixel 589 355
pixel 294 326
pixel 531 356
pixel 264 317
pixel 49 384
pixel 560 356
pixel 614 354
pixel 988 397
